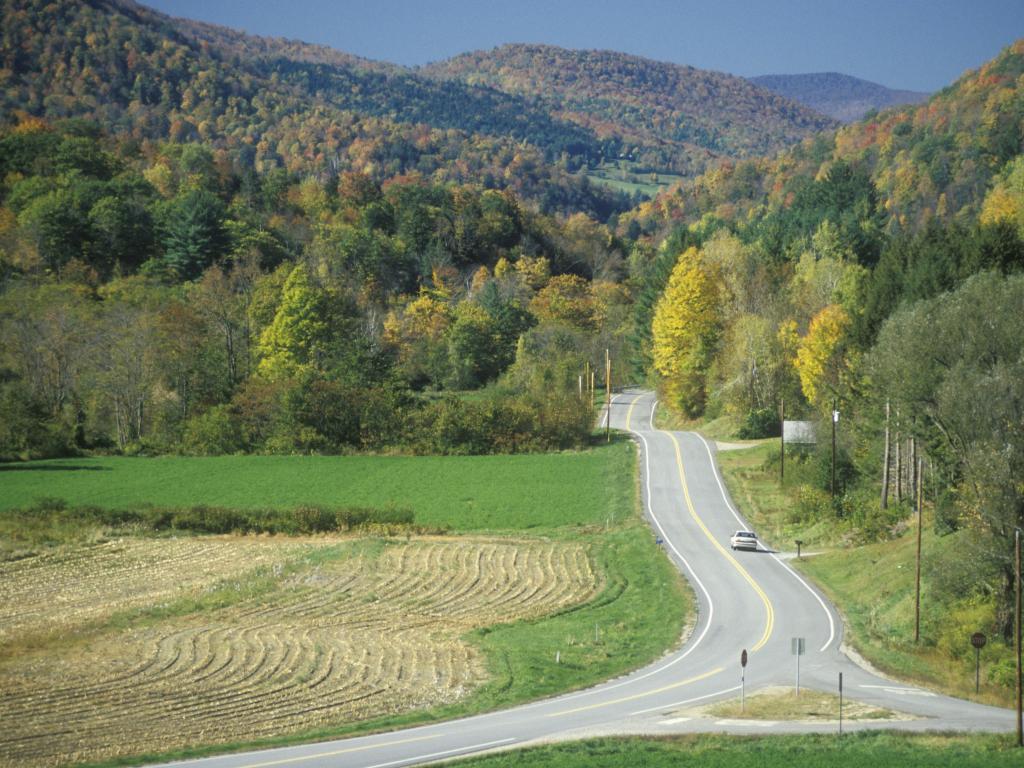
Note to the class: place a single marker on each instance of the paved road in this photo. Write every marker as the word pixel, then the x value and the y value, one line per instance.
pixel 748 600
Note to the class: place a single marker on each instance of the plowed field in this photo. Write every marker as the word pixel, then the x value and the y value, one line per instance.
pixel 150 645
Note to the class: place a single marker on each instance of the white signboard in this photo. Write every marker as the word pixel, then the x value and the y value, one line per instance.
pixel 799 432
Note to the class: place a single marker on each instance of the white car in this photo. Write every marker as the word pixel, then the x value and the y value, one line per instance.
pixel 744 540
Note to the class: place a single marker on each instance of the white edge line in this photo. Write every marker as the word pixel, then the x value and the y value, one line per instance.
pixel 606 410
pixel 687 701
pixel 431 756
pixel 696 578
pixel 744 524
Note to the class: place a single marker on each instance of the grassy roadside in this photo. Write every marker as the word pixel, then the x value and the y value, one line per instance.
pixel 873 584
pixel 589 497
pixel 868 749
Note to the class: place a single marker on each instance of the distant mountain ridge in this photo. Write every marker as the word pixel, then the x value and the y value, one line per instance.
pixel 669 116
pixel 839 96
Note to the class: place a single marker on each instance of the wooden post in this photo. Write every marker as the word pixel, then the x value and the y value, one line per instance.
pixel 782 440
pixel 832 418
pixel 1016 636
pixel 885 461
pixel 608 392
pixel 917 597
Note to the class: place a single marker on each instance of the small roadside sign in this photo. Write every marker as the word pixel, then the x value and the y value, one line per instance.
pixel 743 658
pixel 978 640
pixel 797 646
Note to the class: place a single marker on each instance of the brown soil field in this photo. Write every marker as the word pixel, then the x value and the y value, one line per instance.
pixel 146 645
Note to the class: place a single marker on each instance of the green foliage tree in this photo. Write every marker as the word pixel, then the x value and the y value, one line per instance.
pixel 194 233
pixel 956 362
pixel 297 339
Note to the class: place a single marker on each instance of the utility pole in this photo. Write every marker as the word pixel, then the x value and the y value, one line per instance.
pixel 782 441
pixel 917 594
pixel 835 418
pixel 608 392
pixel 1016 636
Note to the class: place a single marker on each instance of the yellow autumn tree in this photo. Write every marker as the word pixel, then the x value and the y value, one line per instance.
pixel 1005 201
pixel 685 330
pixel 417 334
pixel 819 359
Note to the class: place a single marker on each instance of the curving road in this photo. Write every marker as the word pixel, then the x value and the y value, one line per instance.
pixel 748 600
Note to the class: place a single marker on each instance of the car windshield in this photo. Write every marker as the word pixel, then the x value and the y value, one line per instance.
pixel 746 534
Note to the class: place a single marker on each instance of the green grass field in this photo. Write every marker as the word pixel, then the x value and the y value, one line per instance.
pixel 854 750
pixel 463 493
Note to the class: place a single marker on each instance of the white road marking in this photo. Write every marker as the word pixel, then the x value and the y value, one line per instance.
pixel 744 524
pixel 674 720
pixel 696 578
pixel 663 707
pixel 607 411
pixel 419 758
pixel 668 541
pixel 748 723
pixel 898 691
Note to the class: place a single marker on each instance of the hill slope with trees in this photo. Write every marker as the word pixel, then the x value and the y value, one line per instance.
pixel 668 117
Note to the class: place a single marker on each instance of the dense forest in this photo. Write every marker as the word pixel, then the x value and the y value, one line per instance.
pixel 162 302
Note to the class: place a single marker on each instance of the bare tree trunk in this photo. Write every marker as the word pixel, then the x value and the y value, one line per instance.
pixel 899 461
pixel 912 464
pixel 885 462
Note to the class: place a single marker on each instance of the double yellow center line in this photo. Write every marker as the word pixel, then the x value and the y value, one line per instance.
pixel 769 610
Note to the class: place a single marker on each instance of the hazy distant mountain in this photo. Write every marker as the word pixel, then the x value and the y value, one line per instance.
pixel 842 97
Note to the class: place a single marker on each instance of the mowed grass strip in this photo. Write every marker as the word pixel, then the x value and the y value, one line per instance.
pixel 462 493
pixel 866 749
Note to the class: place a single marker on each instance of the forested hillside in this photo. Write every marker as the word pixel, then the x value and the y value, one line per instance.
pixel 158 300
pixel 876 270
pixel 668 117
pixel 273 104
pixel 842 97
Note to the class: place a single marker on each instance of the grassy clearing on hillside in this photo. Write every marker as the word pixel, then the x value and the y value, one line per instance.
pixel 873 585
pixel 869 749
pixel 768 504
pixel 463 493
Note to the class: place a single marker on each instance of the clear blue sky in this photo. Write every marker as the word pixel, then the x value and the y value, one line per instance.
pixel 914 44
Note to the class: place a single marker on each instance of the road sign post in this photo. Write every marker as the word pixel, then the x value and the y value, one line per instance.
pixel 743 681
pixel 840 703
pixel 978 640
pixel 797 647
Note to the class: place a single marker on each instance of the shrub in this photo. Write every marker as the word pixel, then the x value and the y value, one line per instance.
pixel 203 519
pixel 312 519
pixel 762 422
pixel 212 433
